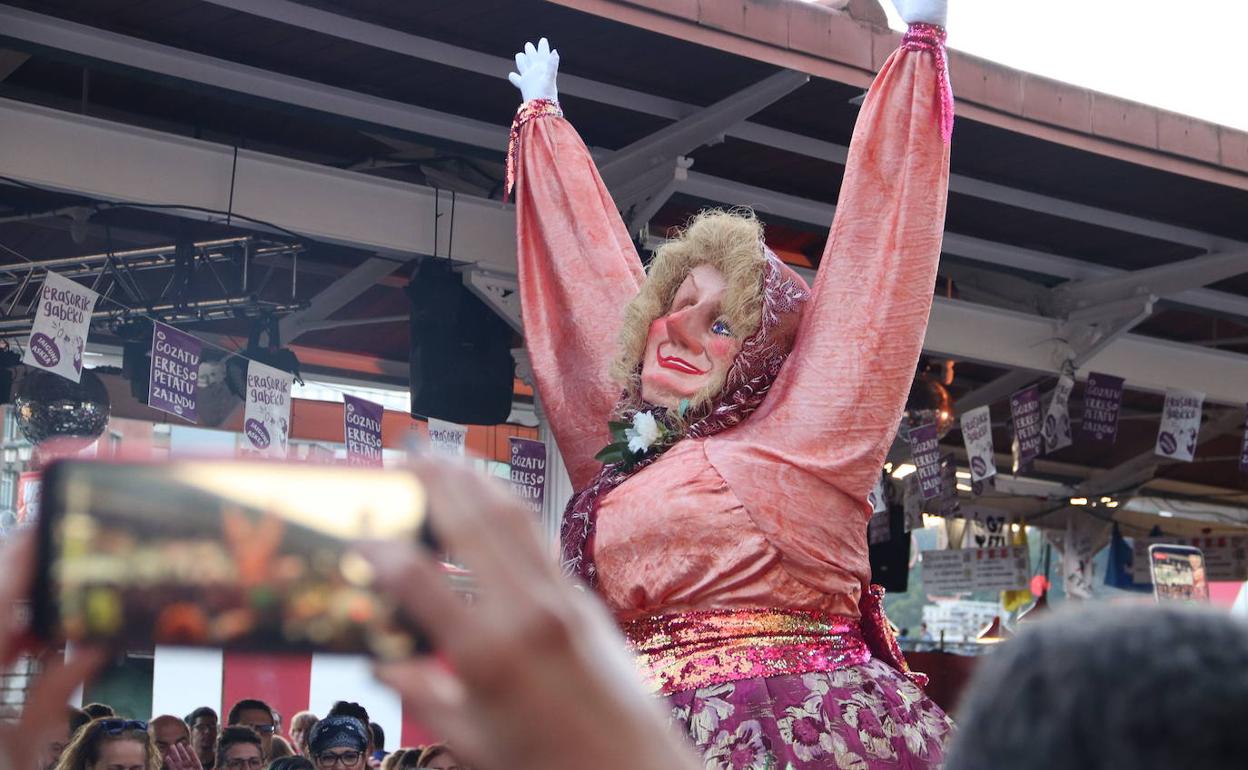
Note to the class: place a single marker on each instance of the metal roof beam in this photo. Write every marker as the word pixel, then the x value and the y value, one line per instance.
pixel 335 296
pixel 103 160
pixel 377 36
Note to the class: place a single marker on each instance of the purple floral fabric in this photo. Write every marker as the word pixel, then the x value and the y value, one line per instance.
pixel 866 717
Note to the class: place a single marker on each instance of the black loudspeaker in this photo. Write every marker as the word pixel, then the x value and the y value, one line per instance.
pixel 460 360
pixel 890 560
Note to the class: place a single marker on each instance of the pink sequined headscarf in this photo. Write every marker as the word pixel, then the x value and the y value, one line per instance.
pixel 748 381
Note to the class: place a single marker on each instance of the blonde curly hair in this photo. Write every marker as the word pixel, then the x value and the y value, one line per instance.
pixel 730 240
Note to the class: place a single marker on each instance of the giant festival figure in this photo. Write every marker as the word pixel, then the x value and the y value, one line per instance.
pixel 724 423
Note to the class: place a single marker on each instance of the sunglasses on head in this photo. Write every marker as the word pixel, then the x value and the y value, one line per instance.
pixel 118 726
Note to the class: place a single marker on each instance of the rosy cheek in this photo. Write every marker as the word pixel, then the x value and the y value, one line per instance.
pixel 722 348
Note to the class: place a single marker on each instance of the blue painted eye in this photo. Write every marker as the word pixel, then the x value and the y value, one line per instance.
pixel 721 328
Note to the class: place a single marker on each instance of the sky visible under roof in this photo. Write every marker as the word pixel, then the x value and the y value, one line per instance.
pixel 1186 56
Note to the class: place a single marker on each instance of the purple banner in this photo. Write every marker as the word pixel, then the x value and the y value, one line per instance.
pixel 528 472
pixel 362 431
pixel 949 503
pixel 1025 415
pixel 925 447
pixel 1102 401
pixel 1243 452
pixel 173 386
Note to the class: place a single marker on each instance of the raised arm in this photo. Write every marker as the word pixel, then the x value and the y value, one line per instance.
pixel 578 268
pixel 834 410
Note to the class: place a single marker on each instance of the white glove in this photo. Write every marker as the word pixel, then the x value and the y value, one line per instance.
pixel 923 11
pixel 536 68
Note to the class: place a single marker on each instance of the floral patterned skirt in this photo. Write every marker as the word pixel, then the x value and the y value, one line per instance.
pixel 866 716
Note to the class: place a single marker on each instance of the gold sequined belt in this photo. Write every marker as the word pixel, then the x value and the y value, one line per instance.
pixel 687 650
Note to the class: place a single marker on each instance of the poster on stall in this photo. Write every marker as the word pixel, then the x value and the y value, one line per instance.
pixel 1002 569
pixel 1102 401
pixel 912 503
pixel 362 431
pixel 1056 432
pixel 977 435
pixel 1226 556
pixel 1243 451
pixel 62 321
pixel 1180 425
pixel 948 503
pixel 447 439
pixel 925 447
pixel 876 498
pixel 29 485
pixel 528 472
pixel 949 572
pixel 266 418
pixel 1025 416
pixel 173 384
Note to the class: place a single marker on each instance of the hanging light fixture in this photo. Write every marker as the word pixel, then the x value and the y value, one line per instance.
pixel 993 633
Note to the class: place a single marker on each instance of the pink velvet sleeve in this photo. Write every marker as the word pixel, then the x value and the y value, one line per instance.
pixel 806 460
pixel 578 270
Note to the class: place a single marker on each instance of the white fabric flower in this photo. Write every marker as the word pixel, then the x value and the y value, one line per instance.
pixel 643 434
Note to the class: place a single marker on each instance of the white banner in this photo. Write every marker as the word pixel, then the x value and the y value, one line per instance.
pixel 1002 569
pixel 977 434
pixel 1083 537
pixel 1180 425
pixel 266 419
pixel 949 572
pixel 62 321
pixel 1056 430
pixel 447 438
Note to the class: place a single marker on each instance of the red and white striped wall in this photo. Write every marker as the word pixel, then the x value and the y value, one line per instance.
pixel 185 679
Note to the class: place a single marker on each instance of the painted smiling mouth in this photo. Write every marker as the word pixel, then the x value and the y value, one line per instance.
pixel 678 364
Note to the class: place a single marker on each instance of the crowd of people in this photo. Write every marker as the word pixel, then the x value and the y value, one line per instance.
pixel 95 737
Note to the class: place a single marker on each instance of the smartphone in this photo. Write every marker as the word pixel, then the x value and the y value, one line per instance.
pixel 235 554
pixel 1178 572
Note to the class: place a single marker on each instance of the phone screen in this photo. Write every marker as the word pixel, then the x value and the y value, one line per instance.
pixel 1178 573
pixel 251 555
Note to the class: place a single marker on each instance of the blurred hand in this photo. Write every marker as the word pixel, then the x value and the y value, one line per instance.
pixel 923 11
pixel 182 757
pixel 536 69
pixel 21 743
pixel 534 676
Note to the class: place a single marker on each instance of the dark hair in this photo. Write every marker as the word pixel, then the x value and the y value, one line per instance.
pixel 202 711
pixel 349 709
pixel 291 763
pixel 248 704
pixel 99 710
pixel 84 748
pixel 1109 687
pixel 379 736
pixel 77 718
pixel 234 735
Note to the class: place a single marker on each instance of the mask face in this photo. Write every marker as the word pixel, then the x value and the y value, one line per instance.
pixel 693 345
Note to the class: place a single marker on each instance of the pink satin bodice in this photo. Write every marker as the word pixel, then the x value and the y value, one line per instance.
pixel 771 513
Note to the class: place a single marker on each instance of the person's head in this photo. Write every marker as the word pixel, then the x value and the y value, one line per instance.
pixel 300 724
pixel 291 763
pixel 344 708
pixel 1103 688
pixel 111 744
pixel 203 723
pixel 392 760
pixel 257 715
pixel 378 736
pixel 239 748
pixel 99 710
pixel 280 748
pixel 58 740
pixel 702 298
pixel 168 731
pixel 439 757
pixel 339 742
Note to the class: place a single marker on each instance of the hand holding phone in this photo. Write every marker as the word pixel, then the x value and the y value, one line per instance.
pixel 240 554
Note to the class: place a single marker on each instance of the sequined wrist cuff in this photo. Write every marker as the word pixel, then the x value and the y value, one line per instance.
pixel 931 37
pixel 534 108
